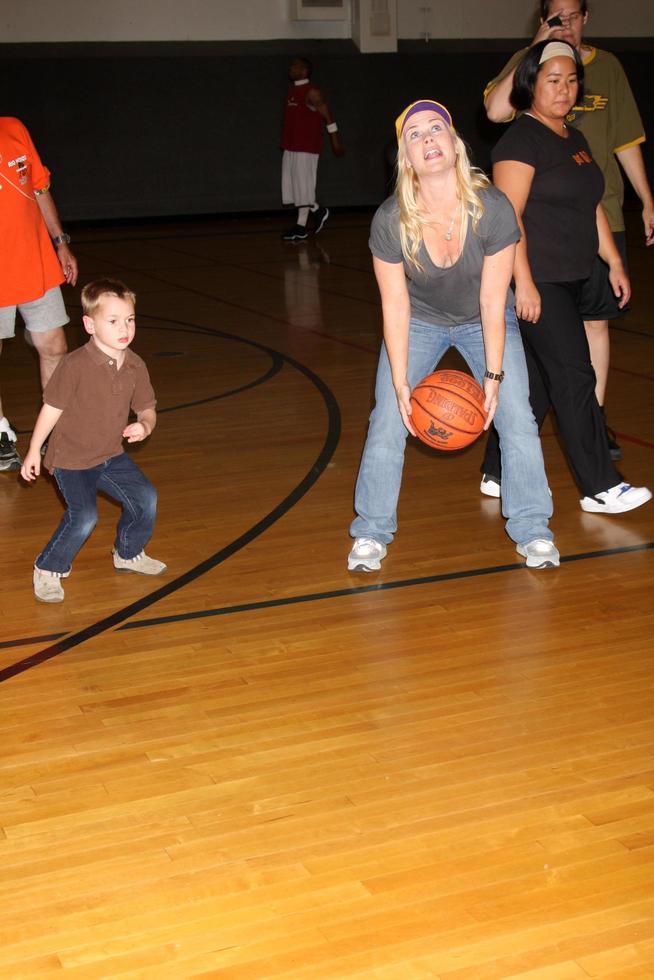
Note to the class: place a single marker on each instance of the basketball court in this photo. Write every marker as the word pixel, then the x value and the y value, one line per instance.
pixel 260 765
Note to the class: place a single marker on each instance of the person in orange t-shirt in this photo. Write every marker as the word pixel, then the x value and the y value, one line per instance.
pixel 34 258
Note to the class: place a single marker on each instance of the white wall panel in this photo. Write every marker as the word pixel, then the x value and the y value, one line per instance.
pixel 159 20
pixel 256 20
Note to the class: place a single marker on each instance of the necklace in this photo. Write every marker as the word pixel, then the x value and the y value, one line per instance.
pixel 450 230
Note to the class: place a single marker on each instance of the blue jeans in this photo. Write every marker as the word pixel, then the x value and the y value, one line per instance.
pixel 122 480
pixel 526 502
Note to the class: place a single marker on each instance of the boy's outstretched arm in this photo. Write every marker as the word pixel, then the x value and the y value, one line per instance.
pixel 45 423
pixel 142 428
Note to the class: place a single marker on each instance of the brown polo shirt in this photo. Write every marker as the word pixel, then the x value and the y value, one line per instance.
pixel 95 399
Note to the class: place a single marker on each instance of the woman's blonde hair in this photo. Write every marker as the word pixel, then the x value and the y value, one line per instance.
pixel 469 181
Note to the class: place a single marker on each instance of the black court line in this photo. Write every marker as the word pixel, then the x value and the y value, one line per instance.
pixel 27 641
pixel 361 590
pixel 376 587
pixel 277 363
pixel 275 367
pixel 311 476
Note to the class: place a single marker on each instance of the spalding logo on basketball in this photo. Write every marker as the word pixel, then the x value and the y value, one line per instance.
pixel 448 410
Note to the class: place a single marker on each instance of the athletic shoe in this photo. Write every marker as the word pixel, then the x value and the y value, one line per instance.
pixel 47 586
pixel 366 555
pixel 489 486
pixel 616 500
pixel 297 233
pixel 320 217
pixel 9 457
pixel 540 553
pixel 141 564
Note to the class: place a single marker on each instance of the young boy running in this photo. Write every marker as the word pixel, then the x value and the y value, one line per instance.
pixel 86 406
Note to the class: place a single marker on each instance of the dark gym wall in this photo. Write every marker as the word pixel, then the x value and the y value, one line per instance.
pixel 154 129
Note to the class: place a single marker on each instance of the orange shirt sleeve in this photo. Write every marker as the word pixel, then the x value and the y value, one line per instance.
pixel 40 173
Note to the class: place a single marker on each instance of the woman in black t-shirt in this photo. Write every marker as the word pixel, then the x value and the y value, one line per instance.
pixel 547 172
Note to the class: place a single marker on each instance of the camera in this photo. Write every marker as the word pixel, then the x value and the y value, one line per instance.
pixel 555 21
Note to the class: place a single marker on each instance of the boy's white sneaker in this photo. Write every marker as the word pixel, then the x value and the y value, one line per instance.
pixel 366 555
pixel 540 553
pixel 616 500
pixel 47 586
pixel 141 564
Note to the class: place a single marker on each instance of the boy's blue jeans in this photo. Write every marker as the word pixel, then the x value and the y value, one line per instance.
pixel 526 502
pixel 122 480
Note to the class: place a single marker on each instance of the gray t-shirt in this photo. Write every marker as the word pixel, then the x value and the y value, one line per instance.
pixel 447 297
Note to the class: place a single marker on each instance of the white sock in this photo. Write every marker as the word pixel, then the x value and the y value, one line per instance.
pixel 314 207
pixel 302 216
pixel 5 427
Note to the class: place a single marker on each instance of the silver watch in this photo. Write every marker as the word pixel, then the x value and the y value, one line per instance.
pixel 63 239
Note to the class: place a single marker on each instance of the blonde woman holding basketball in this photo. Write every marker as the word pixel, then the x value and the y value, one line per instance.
pixel 443 250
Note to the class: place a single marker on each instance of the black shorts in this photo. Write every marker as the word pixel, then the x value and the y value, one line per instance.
pixel 597 301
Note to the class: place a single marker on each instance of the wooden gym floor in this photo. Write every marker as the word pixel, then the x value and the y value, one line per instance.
pixel 261 766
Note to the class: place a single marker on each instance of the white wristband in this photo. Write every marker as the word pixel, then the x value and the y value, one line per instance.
pixel 332 128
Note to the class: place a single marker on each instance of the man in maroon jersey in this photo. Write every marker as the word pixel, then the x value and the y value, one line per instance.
pixel 305 113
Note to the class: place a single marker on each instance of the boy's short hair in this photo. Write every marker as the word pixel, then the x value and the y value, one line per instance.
pixel 94 291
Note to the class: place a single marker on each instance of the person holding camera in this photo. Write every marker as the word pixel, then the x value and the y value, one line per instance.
pixel 608 117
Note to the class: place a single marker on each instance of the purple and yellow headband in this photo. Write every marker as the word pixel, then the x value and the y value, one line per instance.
pixel 421 106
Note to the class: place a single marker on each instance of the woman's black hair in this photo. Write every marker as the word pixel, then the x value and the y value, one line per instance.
pixel 524 80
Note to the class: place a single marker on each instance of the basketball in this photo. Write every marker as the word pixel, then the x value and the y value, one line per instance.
pixel 448 410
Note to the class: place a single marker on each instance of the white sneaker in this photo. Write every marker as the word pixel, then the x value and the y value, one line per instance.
pixel 142 564
pixel 47 586
pixel 366 555
pixel 616 500
pixel 489 486
pixel 540 553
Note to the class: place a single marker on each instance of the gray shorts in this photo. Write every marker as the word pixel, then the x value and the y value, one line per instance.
pixel 39 316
